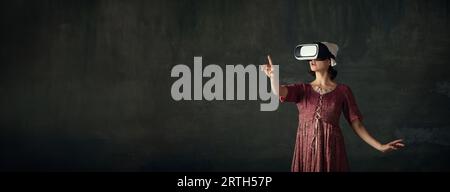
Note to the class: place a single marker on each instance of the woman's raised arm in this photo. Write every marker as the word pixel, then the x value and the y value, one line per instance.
pixel 269 70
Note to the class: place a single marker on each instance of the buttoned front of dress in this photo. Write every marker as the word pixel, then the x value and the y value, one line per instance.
pixel 319 142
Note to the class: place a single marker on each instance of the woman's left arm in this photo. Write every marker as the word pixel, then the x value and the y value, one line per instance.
pixel 362 132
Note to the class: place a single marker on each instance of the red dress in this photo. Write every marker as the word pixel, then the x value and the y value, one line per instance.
pixel 319 143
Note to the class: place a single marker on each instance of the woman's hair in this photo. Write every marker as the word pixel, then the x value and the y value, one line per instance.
pixel 331 71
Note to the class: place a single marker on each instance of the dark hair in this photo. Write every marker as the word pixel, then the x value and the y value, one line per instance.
pixel 331 71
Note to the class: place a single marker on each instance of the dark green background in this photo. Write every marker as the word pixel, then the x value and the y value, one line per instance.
pixel 85 85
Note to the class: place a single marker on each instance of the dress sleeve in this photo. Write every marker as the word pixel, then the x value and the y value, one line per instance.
pixel 350 108
pixel 295 93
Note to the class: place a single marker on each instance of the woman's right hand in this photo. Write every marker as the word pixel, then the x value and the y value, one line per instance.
pixel 267 67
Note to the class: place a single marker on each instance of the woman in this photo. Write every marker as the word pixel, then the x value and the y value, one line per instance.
pixel 319 142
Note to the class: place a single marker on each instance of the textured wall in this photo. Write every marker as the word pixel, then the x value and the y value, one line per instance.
pixel 85 85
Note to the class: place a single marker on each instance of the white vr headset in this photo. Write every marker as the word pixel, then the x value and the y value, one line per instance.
pixel 322 50
pixel 306 51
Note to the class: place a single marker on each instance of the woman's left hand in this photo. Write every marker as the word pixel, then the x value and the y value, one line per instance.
pixel 392 146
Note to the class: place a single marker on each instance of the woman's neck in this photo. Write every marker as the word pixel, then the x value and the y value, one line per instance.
pixel 322 79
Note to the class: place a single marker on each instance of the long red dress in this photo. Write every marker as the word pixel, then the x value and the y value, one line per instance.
pixel 319 143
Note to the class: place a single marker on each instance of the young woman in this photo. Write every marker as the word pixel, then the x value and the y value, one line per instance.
pixel 319 143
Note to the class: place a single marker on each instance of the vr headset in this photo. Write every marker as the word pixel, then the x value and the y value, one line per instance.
pixel 306 51
pixel 318 50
